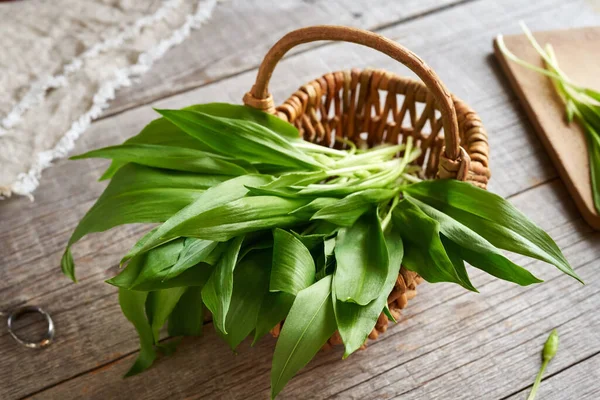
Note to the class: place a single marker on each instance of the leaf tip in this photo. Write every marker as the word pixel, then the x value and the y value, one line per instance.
pixel 68 265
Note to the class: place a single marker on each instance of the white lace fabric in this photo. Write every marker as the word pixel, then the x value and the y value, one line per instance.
pixel 61 62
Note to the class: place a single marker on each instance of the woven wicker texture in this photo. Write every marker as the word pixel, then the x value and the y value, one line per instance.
pixel 372 107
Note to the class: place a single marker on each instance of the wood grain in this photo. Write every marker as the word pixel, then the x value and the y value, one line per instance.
pixel 240 32
pixel 95 344
pixel 576 50
pixel 580 381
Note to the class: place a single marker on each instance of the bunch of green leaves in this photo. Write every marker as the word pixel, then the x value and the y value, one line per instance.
pixel 259 226
pixel 582 104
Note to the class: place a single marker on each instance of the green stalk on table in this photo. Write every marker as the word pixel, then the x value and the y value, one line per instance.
pixel 550 348
pixel 582 104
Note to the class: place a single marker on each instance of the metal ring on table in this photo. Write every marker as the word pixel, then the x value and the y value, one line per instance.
pixel 45 341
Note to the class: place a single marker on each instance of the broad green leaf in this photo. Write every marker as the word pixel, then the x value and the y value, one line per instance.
pixel 244 113
pixel 141 242
pixel 133 307
pixel 295 178
pixel 259 240
pixel 308 326
pixel 187 318
pixel 138 194
pixel 173 158
pixel 163 132
pixel 488 264
pixel 251 283
pixel 196 277
pixel 481 253
pixel 216 294
pixel 354 321
pixel 281 186
pixel 159 305
pixel 150 266
pixel 238 217
pixel 214 197
pixel 321 247
pixel 274 309
pixel 243 140
pixel 159 132
pixel 346 211
pixel 452 251
pixel 194 251
pixel 493 218
pixel 293 266
pixel 423 249
pixel 362 261
pixel 307 211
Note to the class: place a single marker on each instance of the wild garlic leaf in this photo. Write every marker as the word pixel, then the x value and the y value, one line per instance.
pixel 321 247
pixel 193 277
pixel 478 251
pixel 452 251
pixel 213 197
pixel 159 305
pixel 173 158
pixel 259 240
pixel 281 186
pixel 308 326
pixel 354 321
pixel 150 266
pixel 244 140
pixel 274 308
pixel 362 261
pixel 163 132
pixel 138 194
pixel 244 113
pixel 158 132
pixel 492 217
pixel 194 251
pixel 251 283
pixel 187 318
pixel 240 216
pixel 307 211
pixel 216 294
pixel 423 249
pixel 516 275
pixel 293 267
pixel 133 307
pixel 346 211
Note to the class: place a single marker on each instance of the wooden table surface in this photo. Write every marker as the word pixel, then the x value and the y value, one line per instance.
pixel 451 344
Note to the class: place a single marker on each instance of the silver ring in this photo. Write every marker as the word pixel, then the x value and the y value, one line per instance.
pixel 45 341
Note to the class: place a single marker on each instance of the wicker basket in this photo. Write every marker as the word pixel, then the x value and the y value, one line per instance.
pixel 373 107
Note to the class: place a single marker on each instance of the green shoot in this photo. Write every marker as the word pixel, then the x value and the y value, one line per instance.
pixel 550 348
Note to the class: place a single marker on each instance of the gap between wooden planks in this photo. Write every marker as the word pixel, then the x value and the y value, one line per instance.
pixel 452 53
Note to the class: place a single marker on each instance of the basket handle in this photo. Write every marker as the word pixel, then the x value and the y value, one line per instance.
pixel 260 98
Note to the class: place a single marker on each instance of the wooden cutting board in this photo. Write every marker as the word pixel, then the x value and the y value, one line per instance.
pixel 578 53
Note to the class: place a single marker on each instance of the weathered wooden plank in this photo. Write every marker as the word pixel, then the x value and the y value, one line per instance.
pixel 33 240
pixel 579 381
pixel 240 32
pixel 444 329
